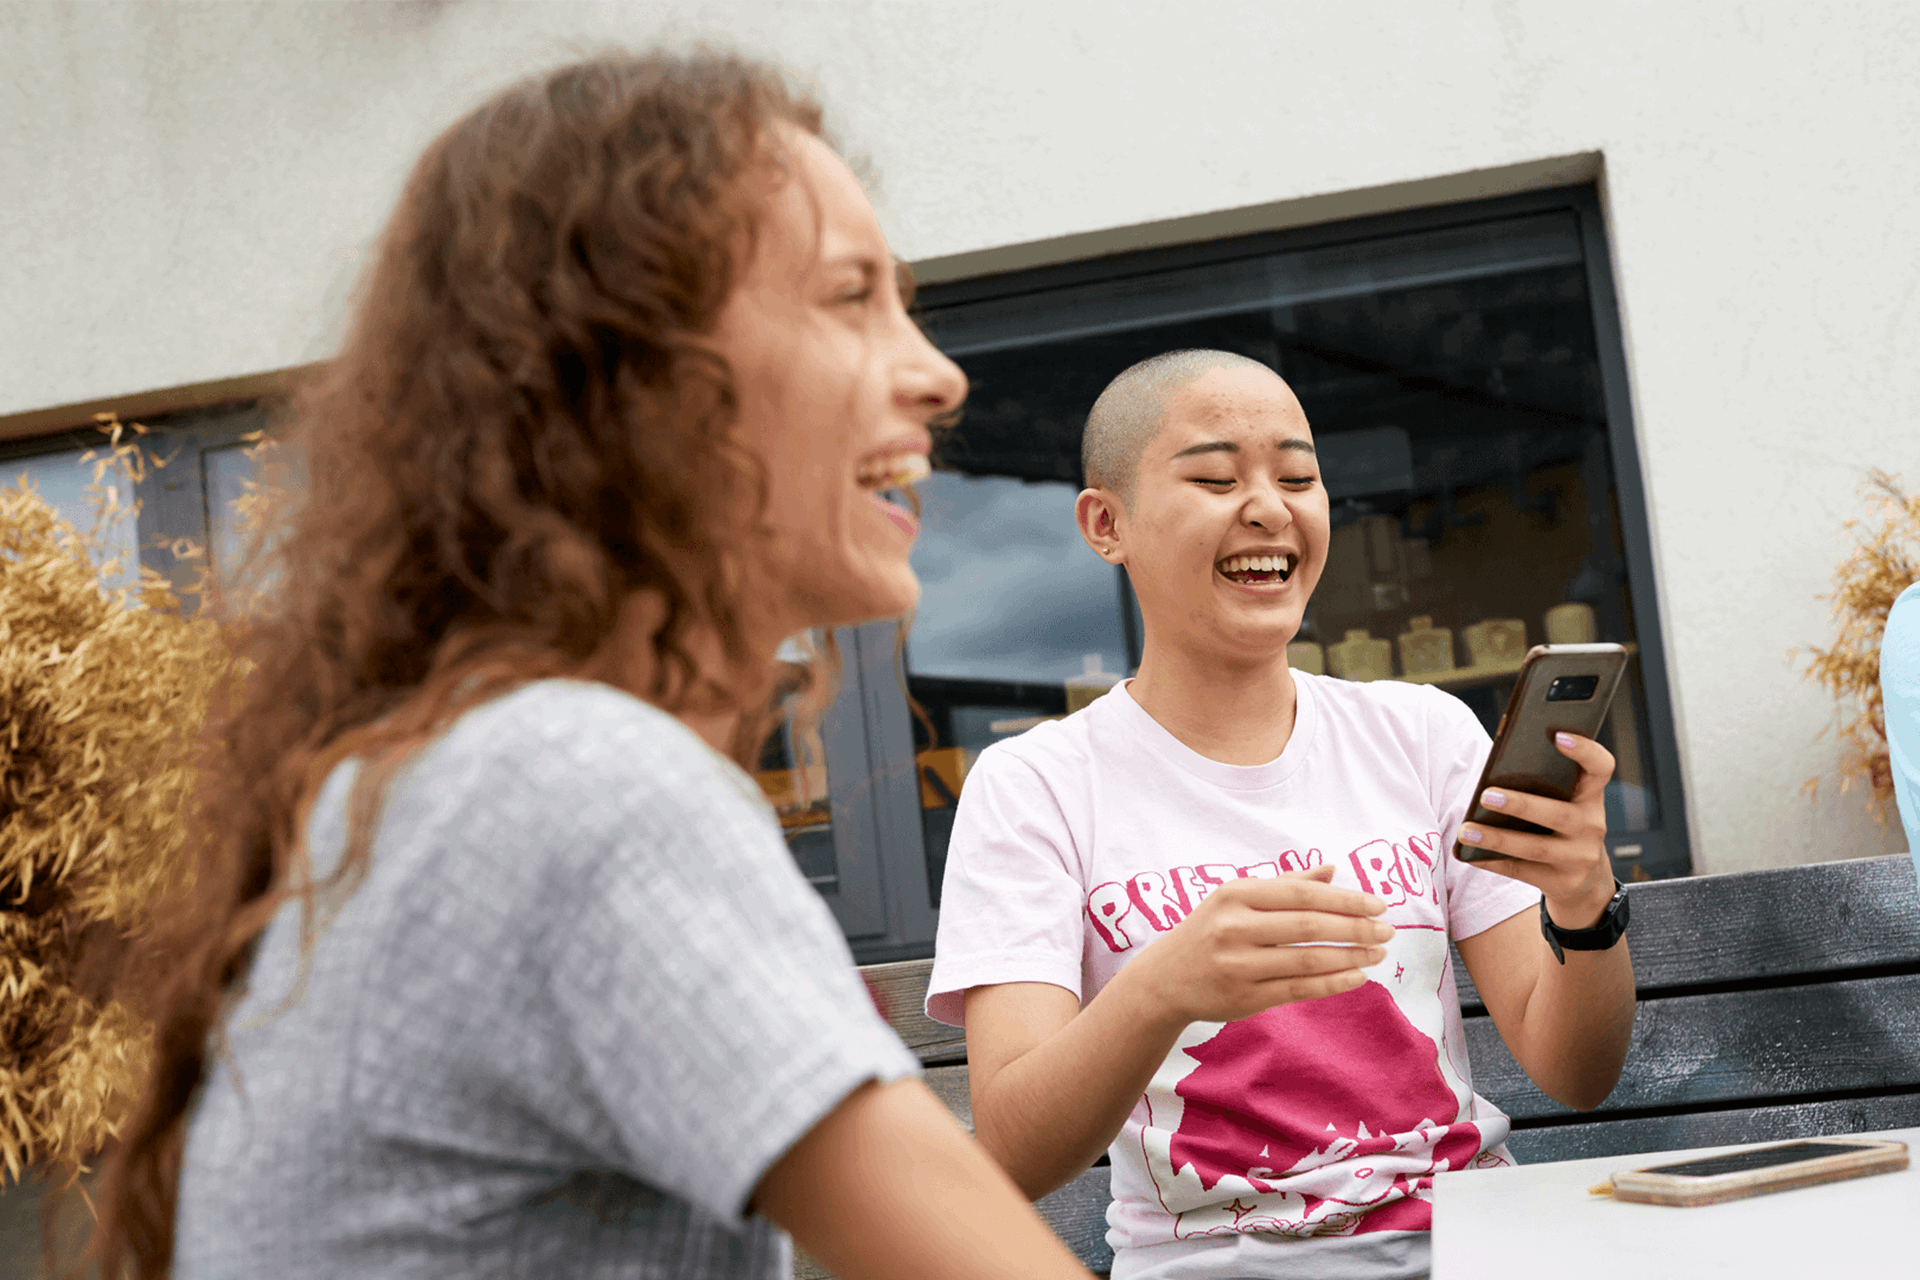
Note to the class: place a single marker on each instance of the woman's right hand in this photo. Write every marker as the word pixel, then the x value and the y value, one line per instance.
pixel 1052 1083
pixel 1253 944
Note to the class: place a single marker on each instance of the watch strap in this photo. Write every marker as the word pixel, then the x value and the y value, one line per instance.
pixel 1611 927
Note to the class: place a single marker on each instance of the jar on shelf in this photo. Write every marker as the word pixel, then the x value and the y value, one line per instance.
pixel 1361 657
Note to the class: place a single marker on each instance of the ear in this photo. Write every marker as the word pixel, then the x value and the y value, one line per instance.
pixel 1101 518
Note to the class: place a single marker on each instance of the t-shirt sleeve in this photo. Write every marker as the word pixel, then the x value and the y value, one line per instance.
pixel 668 994
pixel 1476 898
pixel 1010 908
pixel 710 993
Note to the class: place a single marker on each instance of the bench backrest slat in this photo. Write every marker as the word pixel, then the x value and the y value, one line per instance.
pixel 1690 1052
pixel 1714 1128
pixel 900 991
pixel 1758 925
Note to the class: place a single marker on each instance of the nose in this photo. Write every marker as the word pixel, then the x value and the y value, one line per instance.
pixel 1266 508
pixel 926 382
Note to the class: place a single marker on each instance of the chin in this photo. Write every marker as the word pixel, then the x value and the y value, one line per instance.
pixel 1262 636
pixel 895 598
pixel 872 599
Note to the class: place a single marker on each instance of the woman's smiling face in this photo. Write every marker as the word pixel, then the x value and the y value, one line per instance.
pixel 836 387
pixel 1226 532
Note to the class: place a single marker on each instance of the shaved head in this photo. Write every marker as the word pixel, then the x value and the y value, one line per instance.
pixel 1128 414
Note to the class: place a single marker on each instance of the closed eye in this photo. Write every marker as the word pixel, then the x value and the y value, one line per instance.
pixel 1205 480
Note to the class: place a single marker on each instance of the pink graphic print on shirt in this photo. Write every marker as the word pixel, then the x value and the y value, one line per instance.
pixel 1330 1111
pixel 1327 1117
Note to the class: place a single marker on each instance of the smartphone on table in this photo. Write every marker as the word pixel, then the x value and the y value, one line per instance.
pixel 1562 688
pixel 1755 1172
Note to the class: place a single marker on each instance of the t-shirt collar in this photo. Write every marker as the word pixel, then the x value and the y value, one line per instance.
pixel 1127 719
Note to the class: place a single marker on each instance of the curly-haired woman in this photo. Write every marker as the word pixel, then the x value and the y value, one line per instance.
pixel 495 963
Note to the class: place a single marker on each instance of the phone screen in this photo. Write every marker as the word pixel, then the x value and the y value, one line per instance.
pixel 1748 1161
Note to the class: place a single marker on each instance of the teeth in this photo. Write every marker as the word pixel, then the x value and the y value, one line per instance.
pixel 1258 564
pixel 896 471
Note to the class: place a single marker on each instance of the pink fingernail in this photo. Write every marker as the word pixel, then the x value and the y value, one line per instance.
pixel 1564 739
pixel 1470 835
pixel 1495 798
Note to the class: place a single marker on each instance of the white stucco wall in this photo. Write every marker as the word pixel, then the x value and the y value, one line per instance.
pixel 185 190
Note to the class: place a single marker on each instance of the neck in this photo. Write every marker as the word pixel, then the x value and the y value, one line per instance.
pixel 1233 710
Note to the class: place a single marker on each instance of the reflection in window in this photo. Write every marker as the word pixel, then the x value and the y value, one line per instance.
pixel 792 772
pixel 1015 612
pixel 1008 591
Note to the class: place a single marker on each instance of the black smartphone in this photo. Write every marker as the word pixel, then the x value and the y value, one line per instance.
pixel 1562 688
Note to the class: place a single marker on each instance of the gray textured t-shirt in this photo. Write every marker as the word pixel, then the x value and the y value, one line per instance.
pixel 582 1002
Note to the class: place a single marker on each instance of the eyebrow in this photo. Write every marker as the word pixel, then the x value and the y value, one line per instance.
pixel 872 268
pixel 1291 443
pixel 868 266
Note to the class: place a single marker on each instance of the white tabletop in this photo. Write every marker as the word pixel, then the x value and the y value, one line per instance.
pixel 1538 1221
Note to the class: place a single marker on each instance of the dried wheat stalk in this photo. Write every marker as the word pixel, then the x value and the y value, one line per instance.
pixel 1885 561
pixel 101 695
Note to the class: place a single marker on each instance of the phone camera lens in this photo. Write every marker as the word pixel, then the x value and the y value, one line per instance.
pixel 1572 688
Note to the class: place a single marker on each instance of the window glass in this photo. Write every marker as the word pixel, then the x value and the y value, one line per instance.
pixel 229 470
pixel 795 782
pixel 1453 382
pixel 62 480
pixel 792 771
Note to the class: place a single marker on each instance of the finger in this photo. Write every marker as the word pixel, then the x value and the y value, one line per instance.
pixel 1547 878
pixel 1293 990
pixel 1305 891
pixel 1291 928
pixel 1515 844
pixel 1299 962
pixel 1555 815
pixel 1595 761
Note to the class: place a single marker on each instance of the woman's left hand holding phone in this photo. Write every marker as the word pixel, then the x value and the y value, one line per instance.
pixel 1567 1019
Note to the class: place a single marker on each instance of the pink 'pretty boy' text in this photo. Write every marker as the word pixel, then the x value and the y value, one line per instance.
pixel 1127 914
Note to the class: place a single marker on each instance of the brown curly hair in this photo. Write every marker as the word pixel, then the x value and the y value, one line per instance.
pixel 523 428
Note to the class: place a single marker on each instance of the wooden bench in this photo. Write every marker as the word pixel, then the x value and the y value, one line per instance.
pixel 1773 1005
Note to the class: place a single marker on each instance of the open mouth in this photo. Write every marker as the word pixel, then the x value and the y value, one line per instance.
pixel 889 476
pixel 1258 571
pixel 894 471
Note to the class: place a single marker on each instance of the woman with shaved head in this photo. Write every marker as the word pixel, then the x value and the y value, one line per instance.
pixel 1204 922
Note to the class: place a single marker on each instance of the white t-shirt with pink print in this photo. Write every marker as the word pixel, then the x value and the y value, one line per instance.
pixel 1303 1129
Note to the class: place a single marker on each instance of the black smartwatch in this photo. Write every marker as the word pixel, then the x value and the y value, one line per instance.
pixel 1613 924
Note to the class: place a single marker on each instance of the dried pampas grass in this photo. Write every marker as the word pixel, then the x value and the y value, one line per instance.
pixel 1884 563
pixel 101 697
